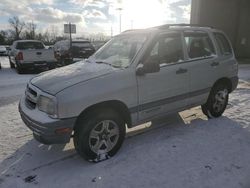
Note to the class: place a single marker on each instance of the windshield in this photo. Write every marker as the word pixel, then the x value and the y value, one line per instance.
pixel 29 45
pixel 120 51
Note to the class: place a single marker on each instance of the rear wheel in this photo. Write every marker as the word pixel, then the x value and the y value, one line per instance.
pixel 19 69
pixel 100 135
pixel 217 101
pixel 52 66
pixel 11 64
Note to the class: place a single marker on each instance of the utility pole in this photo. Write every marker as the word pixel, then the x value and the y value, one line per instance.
pixel 120 11
pixel 70 37
pixel 132 24
pixel 111 31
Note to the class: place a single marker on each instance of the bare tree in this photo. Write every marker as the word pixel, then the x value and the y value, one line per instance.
pixel 31 30
pixel 17 26
pixel 53 32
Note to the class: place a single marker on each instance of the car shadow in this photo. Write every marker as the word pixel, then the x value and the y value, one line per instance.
pixel 34 155
pixel 172 135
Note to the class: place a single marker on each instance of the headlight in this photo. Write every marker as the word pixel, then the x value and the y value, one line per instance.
pixel 47 105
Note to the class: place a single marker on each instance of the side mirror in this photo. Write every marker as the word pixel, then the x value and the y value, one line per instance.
pixel 148 67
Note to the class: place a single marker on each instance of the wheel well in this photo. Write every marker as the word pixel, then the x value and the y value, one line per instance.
pixel 116 105
pixel 225 81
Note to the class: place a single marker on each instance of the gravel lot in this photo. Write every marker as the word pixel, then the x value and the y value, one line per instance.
pixel 182 150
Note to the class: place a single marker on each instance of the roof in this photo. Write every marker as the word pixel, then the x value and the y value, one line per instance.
pixel 28 41
pixel 171 27
pixel 75 40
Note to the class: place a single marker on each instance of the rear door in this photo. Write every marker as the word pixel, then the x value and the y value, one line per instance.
pixel 203 65
pixel 228 64
pixel 164 91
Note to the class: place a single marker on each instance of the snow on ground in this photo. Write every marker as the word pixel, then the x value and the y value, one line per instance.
pixel 182 150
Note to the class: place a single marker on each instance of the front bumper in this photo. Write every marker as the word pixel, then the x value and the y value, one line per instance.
pixel 45 128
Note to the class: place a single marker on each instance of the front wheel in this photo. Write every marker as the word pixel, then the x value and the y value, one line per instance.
pixel 100 135
pixel 217 101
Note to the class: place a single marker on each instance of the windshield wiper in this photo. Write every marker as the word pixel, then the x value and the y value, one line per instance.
pixel 104 62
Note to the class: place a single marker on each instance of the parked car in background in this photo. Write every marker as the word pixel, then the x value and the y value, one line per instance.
pixel 3 50
pixel 32 55
pixel 98 44
pixel 8 50
pixel 81 49
pixel 136 77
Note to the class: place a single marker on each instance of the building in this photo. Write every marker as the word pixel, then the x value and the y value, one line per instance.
pixel 231 16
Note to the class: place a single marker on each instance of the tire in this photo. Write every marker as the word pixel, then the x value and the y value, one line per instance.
pixel 52 66
pixel 92 138
pixel 217 101
pixel 11 64
pixel 19 69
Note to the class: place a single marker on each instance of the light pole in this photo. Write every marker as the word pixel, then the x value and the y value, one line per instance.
pixel 120 11
pixel 132 24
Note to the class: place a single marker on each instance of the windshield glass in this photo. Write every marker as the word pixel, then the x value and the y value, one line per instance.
pixel 120 51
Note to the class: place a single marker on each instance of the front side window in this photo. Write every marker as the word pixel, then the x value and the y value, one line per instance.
pixel 120 50
pixel 223 44
pixel 199 45
pixel 167 49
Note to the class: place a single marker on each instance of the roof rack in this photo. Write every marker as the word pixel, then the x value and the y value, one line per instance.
pixel 167 26
pixel 131 30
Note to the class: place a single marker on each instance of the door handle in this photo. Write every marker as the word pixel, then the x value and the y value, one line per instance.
pixel 214 64
pixel 39 53
pixel 181 71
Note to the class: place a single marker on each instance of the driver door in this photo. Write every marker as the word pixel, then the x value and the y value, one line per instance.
pixel 164 91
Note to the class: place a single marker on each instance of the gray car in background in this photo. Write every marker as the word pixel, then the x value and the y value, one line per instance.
pixel 134 78
pixel 79 50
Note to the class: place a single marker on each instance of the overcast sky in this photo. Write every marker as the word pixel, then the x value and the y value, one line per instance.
pixel 95 15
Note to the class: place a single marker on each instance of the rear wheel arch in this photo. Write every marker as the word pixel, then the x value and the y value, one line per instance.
pixel 224 81
pixel 115 105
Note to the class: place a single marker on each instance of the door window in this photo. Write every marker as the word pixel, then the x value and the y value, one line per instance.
pixel 167 49
pixel 199 45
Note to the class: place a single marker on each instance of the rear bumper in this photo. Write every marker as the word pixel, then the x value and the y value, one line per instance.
pixel 36 65
pixel 46 131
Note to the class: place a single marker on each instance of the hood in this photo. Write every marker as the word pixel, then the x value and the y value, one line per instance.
pixel 56 80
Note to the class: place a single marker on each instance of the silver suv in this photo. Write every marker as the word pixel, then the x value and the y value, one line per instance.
pixel 137 76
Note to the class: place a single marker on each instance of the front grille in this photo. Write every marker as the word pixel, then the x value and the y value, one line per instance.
pixel 30 98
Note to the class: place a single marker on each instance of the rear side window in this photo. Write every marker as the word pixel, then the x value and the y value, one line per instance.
pixel 199 45
pixel 223 44
pixel 29 45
